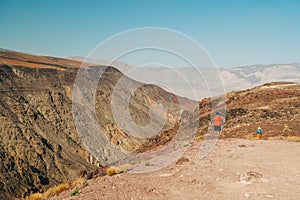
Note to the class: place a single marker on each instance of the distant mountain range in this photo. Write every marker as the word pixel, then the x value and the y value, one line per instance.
pixel 198 83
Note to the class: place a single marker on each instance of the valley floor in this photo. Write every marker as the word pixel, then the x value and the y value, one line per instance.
pixel 235 169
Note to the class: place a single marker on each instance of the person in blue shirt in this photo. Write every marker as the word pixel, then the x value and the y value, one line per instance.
pixel 259 133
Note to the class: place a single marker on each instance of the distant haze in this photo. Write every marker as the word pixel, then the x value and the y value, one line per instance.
pixel 204 82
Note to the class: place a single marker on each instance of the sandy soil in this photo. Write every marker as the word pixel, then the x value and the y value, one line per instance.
pixel 235 169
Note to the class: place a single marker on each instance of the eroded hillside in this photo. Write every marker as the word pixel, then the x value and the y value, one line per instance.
pixel 275 107
pixel 40 146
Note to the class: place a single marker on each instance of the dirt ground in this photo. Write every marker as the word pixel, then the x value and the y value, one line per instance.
pixel 235 169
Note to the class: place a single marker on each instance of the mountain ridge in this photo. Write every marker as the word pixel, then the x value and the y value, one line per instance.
pixel 183 82
pixel 39 141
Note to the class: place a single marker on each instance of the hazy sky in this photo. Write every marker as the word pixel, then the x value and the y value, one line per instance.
pixel 233 32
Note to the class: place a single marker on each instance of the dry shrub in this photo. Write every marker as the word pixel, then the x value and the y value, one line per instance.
pixel 60 188
pixel 49 193
pixel 118 169
pixel 276 138
pixel 199 137
pixel 293 138
pixel 111 171
pixel 288 138
pixel 35 196
pixel 125 168
pixel 78 182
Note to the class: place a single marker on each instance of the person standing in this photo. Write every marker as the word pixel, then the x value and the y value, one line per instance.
pixel 259 133
pixel 218 120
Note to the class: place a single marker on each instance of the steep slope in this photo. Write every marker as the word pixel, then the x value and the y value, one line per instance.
pixel 40 145
pixel 37 133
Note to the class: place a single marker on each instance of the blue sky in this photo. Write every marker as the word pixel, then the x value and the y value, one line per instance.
pixel 234 33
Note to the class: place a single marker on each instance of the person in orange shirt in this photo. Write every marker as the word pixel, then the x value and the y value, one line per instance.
pixel 218 121
pixel 259 133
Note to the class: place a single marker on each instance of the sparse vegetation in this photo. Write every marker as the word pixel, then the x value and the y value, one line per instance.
pixel 276 138
pixel 85 184
pixel 111 171
pixel 288 138
pixel 49 193
pixel 78 182
pixel 125 168
pixel 133 162
pixel 147 164
pixel 199 137
pixel 35 196
pixel 293 138
pixel 117 170
pixel 75 192
pixel 59 189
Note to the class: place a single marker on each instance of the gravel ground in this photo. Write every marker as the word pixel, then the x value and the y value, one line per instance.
pixel 235 169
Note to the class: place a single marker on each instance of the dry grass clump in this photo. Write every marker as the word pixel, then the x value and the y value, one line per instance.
pixel 111 171
pixel 293 138
pixel 276 138
pixel 199 137
pixel 126 167
pixel 55 190
pixel 288 138
pixel 59 189
pixel 49 193
pixel 35 196
pixel 78 182
pixel 118 170
pixel 251 136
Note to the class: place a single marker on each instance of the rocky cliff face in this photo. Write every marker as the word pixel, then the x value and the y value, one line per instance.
pixel 39 143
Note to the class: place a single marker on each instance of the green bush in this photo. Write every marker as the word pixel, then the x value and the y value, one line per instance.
pixel 74 192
